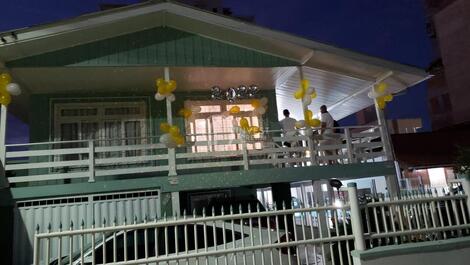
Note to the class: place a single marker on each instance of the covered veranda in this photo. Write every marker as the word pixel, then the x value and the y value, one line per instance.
pixel 75 57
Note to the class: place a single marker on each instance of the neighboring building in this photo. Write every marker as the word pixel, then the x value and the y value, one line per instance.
pixel 94 153
pixel 448 89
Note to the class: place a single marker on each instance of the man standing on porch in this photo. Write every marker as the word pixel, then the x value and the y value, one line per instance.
pixel 326 131
pixel 288 126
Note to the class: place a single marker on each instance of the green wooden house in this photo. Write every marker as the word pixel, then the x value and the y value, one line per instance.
pixel 88 87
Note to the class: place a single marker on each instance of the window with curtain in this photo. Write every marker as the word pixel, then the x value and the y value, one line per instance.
pixel 111 123
pixel 211 125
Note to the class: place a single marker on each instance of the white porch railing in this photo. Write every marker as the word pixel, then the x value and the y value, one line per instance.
pixel 96 159
pixel 247 234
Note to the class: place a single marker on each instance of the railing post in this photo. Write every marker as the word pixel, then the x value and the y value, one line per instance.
pixel 246 164
pixel 91 160
pixel 311 149
pixel 356 217
pixel 466 189
pixel 349 146
pixel 384 134
pixel 3 129
pixel 37 247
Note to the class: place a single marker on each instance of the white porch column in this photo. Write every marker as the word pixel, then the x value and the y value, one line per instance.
pixel 169 117
pixel 384 135
pixel 391 180
pixel 320 200
pixel 3 130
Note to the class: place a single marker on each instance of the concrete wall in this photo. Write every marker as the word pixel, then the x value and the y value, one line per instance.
pixel 453 36
pixel 452 252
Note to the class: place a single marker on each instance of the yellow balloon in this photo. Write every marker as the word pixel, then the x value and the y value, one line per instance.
pixel 381 102
pixel 5 99
pixel 174 131
pixel 380 87
pixel 314 95
pixel 255 103
pixel 304 83
pixel 160 81
pixel 163 89
pixel 244 123
pixel 253 130
pixel 171 85
pixel 308 115
pixel 299 94
pixel 314 122
pixel 165 127
pixel 388 98
pixel 234 110
pixel 184 112
pixel 179 139
pixel 5 78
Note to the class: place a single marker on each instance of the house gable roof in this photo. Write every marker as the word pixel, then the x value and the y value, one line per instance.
pixel 342 77
pixel 160 46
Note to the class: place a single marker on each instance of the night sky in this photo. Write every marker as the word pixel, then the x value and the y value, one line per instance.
pixel 390 29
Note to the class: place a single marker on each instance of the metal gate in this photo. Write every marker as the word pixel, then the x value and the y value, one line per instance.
pixel 86 211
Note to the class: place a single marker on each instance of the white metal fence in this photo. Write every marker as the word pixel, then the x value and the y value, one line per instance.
pixel 97 159
pixel 75 212
pixel 249 234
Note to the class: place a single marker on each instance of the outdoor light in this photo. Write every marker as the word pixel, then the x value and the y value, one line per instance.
pixel 234 93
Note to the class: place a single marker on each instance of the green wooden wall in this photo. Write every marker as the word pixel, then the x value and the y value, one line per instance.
pixel 161 46
pixel 41 121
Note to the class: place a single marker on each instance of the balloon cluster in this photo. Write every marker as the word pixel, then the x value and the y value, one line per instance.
pixel 308 121
pixel 7 88
pixel 246 128
pixel 305 93
pixel 234 93
pixel 259 106
pixel 381 94
pixel 165 89
pixel 172 136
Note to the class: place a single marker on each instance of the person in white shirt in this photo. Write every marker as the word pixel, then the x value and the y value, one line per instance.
pixel 327 122
pixel 327 133
pixel 288 126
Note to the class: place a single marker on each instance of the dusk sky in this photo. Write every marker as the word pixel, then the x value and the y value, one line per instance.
pixel 390 29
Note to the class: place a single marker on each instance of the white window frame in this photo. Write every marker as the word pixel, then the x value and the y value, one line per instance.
pixel 100 117
pixel 223 107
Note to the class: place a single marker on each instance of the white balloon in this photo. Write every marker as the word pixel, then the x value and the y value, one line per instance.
pixel 159 97
pixel 300 124
pixel 171 97
pixel 165 138
pixel 306 100
pixel 264 101
pixel 261 110
pixel 14 89
pixel 310 90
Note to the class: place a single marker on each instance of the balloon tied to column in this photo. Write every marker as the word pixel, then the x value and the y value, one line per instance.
pixel 306 94
pixel 380 93
pixel 171 136
pixel 7 88
pixel 165 89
